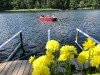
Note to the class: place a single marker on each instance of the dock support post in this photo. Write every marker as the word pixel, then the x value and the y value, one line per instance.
pixel 76 41
pixel 21 40
pixel 77 33
pixel 49 35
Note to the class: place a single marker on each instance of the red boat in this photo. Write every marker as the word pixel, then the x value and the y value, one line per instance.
pixel 48 19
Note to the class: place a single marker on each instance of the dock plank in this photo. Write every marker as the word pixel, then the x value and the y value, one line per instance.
pixel 17 67
pixel 2 66
pixel 31 69
pixel 6 68
pixel 23 65
pixel 27 69
pixel 10 70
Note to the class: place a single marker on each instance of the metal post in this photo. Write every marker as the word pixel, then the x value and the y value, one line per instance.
pixel 21 40
pixel 77 33
pixel 76 41
pixel 48 35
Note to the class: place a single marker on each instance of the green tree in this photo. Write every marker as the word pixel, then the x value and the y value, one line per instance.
pixel 22 4
pixel 1 5
pixel 81 4
pixel 88 3
pixel 67 4
pixel 95 4
pixel 37 4
pixel 43 3
pixel 54 4
pixel 29 3
pixel 73 4
pixel 15 4
pixel 49 4
pixel 61 4
pixel 5 5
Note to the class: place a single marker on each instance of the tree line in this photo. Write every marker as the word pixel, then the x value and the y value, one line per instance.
pixel 56 4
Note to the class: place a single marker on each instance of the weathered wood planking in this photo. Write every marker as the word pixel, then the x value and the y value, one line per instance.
pixel 0 63
pixel 23 67
pixel 27 69
pixel 3 66
pixel 31 69
pixel 18 67
pixel 3 72
pixel 10 70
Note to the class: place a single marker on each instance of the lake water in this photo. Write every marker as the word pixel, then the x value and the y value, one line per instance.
pixel 35 31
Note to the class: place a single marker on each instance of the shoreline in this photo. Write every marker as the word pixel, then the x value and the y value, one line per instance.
pixel 26 10
pixel 46 9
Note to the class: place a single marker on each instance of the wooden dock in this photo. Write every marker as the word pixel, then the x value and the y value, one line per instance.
pixel 23 67
pixel 17 67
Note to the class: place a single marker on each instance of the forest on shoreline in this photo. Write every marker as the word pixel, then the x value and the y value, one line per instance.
pixel 42 4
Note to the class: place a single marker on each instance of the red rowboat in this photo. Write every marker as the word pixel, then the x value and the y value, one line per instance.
pixel 48 18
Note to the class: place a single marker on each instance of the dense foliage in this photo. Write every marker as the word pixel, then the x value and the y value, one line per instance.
pixel 60 4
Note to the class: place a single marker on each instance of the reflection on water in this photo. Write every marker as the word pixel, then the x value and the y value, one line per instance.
pixel 35 31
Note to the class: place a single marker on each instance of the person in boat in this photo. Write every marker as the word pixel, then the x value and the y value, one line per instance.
pixel 42 16
pixel 48 16
pixel 53 16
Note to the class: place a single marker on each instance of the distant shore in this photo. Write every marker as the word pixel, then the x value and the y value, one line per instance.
pixel 46 9
pixel 22 10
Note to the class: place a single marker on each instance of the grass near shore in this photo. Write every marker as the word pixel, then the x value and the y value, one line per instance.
pixel 21 10
pixel 86 8
pixel 46 9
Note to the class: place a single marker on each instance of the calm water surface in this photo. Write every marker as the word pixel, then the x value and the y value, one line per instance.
pixel 35 31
